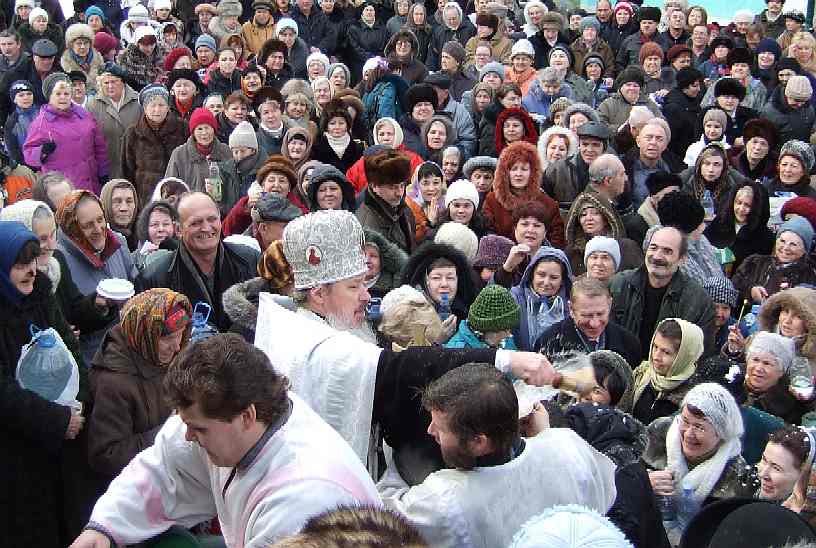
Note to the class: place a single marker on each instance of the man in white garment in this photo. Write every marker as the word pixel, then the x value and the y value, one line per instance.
pixel 353 384
pixel 498 480
pixel 242 448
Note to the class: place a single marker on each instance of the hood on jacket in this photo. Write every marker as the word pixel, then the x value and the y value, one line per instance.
pixel 520 151
pixel 402 34
pixel 241 302
pixel 419 262
pixel 143 220
pixel 325 173
pixel 549 133
pixel 801 301
pixel 698 183
pixel 450 130
pixel 760 209
pixel 530 132
pixel 545 252
pixel 392 259
pixel 157 192
pixel 575 233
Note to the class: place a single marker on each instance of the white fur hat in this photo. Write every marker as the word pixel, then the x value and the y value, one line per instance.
pixel 35 14
pixel 569 526
pixel 462 190
pixel 460 237
pixel 324 247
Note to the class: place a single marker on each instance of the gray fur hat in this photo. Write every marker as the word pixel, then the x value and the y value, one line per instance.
pixel 479 162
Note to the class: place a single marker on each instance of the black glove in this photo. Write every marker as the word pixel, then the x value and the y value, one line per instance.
pixel 46 151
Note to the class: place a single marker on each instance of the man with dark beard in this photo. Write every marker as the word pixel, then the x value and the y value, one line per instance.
pixel 645 296
pixel 323 348
pixel 475 421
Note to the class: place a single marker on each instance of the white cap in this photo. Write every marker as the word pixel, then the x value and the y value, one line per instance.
pixel 522 46
pixel 35 14
pixel 324 247
pixel 462 189
pixel 143 31
pixel 162 5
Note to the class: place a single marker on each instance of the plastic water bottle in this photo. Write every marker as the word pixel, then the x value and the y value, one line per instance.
pixel 748 323
pixel 373 310
pixel 444 307
pixel 201 329
pixel 688 506
pixel 667 507
pixel 708 205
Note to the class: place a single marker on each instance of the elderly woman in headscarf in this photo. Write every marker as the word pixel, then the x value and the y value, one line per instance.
pixel 36 431
pixel 663 380
pixel 121 204
pixel 768 361
pixel 699 449
pixel 127 375
pixel 84 312
pixel 93 252
pixel 156 228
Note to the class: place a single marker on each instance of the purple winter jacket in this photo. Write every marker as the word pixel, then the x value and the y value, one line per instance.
pixel 81 152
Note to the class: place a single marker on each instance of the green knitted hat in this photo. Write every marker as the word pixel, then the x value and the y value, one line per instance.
pixel 493 310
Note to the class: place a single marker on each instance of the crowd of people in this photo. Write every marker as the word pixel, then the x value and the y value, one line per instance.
pixel 377 273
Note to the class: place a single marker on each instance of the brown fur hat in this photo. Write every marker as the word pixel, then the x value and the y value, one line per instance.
pixel 520 151
pixel 387 166
pixel 334 109
pixel 281 164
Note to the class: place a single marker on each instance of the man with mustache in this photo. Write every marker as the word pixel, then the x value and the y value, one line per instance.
pixel 203 266
pixel 642 297
pixel 351 383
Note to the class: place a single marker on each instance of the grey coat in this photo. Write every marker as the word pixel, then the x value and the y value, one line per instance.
pixel 614 111
pixel 188 164
pixel 114 123
pixel 465 129
pixel 87 277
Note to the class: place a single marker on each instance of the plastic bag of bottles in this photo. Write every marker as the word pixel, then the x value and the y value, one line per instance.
pixel 48 368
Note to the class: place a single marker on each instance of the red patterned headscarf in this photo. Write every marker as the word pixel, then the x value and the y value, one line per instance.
pixel 152 314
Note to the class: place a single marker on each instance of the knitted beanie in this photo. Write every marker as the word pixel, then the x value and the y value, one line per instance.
pixel 780 347
pixel 569 526
pixel 680 210
pixel 462 190
pixel 202 116
pixel 494 309
pixel 138 14
pixel 492 66
pixel 52 80
pixel 459 236
pixel 174 55
pixel 802 206
pixel 455 50
pixel 625 6
pixel 590 21
pixel 798 88
pixel 104 43
pixel 35 14
pixel 206 41
pixel 19 86
pixel 769 45
pixel 243 136
pixel 151 92
pixel 719 407
pixel 716 115
pixel 630 74
pixel 493 251
pixel 721 290
pixel 605 244
pixel 94 10
pixel 650 49
pixel 593 58
pixel 286 23
pixel 799 226
pixel 800 150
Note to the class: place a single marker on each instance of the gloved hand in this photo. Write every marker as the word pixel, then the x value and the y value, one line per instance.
pixel 46 150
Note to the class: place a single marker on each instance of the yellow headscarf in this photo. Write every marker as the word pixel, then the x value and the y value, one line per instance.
pixel 683 367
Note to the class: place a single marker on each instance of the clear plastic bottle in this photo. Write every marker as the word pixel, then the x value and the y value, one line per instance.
pixel 201 329
pixel 444 307
pixel 687 506
pixel 708 205
pixel 748 323
pixel 213 182
pixel 801 377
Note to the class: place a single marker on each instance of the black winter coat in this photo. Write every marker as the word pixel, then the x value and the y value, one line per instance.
pixel 682 113
pixel 315 29
pixel 176 270
pixel 563 337
pixel 365 42
pixel 322 152
pixel 443 34
pixel 222 85
pixel 792 124
pixel 34 449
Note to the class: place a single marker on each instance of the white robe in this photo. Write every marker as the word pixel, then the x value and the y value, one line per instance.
pixel 333 371
pixel 486 506
pixel 302 470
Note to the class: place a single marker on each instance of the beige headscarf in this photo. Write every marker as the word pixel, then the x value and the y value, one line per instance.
pixel 685 363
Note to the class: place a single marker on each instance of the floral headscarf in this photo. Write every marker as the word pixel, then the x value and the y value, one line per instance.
pixel 69 224
pixel 153 314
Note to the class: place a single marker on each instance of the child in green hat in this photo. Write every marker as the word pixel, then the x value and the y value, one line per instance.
pixel 490 322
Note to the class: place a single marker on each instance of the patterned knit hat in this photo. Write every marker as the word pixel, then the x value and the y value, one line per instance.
pixel 151 92
pixel 798 88
pixel 324 247
pixel 493 251
pixel 721 290
pixel 243 136
pixel 479 162
pixel 800 150
pixel 494 309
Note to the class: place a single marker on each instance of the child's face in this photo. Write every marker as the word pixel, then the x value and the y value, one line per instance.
pixel 713 130
pixel 24 99
pixel 486 273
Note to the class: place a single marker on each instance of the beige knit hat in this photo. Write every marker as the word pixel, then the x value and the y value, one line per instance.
pixel 798 88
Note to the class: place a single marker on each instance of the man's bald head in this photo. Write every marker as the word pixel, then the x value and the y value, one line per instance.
pixel 193 201
pixel 200 223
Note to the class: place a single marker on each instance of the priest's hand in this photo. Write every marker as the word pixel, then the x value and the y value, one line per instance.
pixel 91 539
pixel 532 368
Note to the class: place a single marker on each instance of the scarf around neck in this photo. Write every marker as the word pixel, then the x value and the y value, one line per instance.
pixel 339 144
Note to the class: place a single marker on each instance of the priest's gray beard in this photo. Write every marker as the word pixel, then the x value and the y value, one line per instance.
pixel 363 331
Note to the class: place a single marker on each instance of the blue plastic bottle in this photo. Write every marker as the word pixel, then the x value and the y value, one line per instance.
pixel 201 329
pixel 444 307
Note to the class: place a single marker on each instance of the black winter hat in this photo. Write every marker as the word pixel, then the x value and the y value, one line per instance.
pixel 649 13
pixel 789 63
pixel 687 76
pixel 630 74
pixel 660 180
pixel 420 93
pixel 740 55
pixel 722 41
pixel 729 86
pixel 680 210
